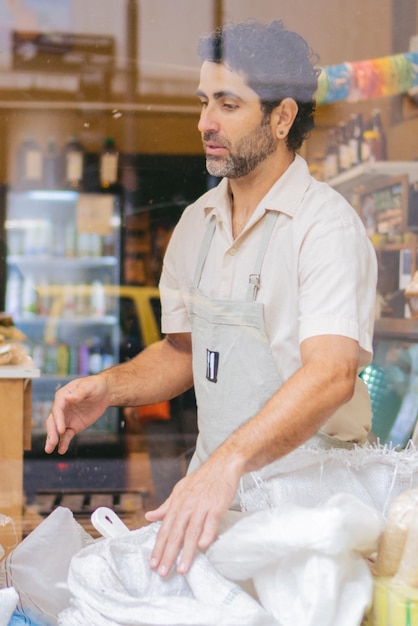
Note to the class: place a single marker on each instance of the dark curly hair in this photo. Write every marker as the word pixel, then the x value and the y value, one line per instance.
pixel 275 62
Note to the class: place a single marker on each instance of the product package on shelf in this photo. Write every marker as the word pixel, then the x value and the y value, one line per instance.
pixel 396 568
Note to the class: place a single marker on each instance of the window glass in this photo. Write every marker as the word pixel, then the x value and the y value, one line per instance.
pixel 100 156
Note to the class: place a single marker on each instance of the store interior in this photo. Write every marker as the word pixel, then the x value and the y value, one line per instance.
pixel 100 155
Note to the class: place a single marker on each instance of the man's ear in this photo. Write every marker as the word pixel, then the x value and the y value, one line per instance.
pixel 283 116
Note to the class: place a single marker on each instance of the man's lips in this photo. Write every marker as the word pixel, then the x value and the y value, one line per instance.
pixel 214 148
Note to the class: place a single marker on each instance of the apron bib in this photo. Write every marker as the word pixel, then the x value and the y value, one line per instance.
pixel 233 366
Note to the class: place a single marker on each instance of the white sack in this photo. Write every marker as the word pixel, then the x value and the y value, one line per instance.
pixel 113 585
pixel 8 602
pixel 310 476
pixel 38 567
pixel 307 564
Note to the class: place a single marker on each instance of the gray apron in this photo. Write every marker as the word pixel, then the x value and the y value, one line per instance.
pixel 233 365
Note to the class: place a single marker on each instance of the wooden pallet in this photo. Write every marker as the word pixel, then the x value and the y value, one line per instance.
pixel 129 505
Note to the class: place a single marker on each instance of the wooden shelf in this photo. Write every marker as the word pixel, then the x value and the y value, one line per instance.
pixel 368 173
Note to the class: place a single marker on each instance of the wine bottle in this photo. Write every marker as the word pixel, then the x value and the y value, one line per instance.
pixel 51 166
pixel 377 127
pixel 30 164
pixel 331 157
pixel 73 164
pixel 109 165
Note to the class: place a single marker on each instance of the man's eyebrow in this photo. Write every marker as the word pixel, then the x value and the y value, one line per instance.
pixel 219 94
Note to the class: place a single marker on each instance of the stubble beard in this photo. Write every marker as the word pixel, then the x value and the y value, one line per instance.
pixel 245 156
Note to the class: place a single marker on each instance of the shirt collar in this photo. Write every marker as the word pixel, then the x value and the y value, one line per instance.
pixel 284 196
pixel 220 201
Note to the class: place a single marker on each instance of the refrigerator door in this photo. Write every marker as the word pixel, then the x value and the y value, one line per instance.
pixel 63 266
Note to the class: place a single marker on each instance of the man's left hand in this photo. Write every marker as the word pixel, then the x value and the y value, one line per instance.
pixel 190 516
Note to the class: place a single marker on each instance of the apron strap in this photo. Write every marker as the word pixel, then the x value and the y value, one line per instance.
pixel 254 279
pixel 204 249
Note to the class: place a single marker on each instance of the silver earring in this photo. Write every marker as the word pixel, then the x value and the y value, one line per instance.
pixel 281 132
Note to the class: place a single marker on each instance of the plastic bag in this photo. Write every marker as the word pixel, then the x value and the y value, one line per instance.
pixel 307 564
pixel 398 544
pixel 112 585
pixel 38 567
pixel 392 542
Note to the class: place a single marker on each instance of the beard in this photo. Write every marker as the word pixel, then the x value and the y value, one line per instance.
pixel 245 155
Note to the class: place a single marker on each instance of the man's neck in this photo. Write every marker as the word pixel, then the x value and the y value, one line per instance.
pixel 248 191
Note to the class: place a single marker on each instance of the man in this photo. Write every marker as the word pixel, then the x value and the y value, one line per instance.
pixel 267 292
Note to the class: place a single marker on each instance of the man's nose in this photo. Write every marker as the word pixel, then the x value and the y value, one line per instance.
pixel 207 120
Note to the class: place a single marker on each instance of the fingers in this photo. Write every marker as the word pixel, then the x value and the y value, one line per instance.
pixel 190 516
pixel 157 514
pixel 179 535
pixel 191 543
pixel 66 418
pixel 209 533
pixel 57 432
pixel 64 441
pixel 54 438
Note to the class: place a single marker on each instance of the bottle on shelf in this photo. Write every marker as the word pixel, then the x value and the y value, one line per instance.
pixel 69 239
pixel 109 165
pixel 44 300
pixel 44 236
pixel 73 360
pixel 63 360
pixel 38 356
pixel 52 166
pixel 371 146
pixel 29 296
pixel 73 164
pixel 83 360
pixel 95 356
pixel 331 157
pixel 15 240
pixel 356 139
pixel 51 354
pixel 30 164
pixel 344 153
pixel 108 357
pixel 68 302
pixel 98 299
pixel 377 127
pixel 81 308
pixel 14 293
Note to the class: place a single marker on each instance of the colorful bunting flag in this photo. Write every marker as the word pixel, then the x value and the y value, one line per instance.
pixel 363 80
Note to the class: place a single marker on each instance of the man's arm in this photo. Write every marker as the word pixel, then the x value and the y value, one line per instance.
pixel 191 515
pixel 160 372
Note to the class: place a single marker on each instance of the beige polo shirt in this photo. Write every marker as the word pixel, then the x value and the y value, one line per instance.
pixel 318 276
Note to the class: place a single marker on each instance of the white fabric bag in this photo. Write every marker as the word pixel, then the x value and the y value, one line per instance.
pixel 38 567
pixel 112 585
pixel 8 601
pixel 310 476
pixel 307 564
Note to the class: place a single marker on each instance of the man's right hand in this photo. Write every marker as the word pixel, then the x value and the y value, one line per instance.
pixel 76 406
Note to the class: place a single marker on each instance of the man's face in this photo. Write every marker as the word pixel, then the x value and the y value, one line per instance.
pixel 237 137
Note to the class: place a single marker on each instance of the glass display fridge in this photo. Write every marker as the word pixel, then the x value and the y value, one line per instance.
pixel 63 257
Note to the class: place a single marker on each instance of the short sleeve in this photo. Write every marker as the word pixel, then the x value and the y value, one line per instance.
pixel 173 293
pixel 337 283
